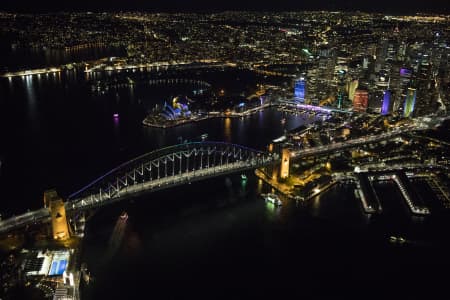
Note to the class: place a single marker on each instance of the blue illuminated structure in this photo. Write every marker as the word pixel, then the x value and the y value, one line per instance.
pixel 58 267
pixel 385 107
pixel 176 110
pixel 300 90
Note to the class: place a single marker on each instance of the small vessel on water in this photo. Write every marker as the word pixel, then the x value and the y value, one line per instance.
pixel 124 216
pixel 243 177
pixel 116 115
pixel 272 198
pixel 397 240
pixel 86 275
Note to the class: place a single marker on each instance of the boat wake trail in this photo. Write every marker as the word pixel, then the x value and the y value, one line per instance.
pixel 117 235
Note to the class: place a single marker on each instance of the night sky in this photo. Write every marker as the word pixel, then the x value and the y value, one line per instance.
pixel 388 6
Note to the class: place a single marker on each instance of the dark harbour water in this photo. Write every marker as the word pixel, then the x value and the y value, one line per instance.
pixel 210 239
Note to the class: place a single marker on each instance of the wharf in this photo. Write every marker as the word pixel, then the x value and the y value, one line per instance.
pixel 288 191
pixel 367 194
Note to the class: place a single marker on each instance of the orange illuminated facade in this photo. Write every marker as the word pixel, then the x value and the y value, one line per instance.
pixel 360 101
pixel 55 204
pixel 285 160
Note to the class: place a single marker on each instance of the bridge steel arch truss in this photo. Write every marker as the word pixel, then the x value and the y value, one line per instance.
pixel 167 167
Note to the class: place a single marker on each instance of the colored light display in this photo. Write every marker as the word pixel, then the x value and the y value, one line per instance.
pixel 386 103
pixel 410 102
pixel 405 72
pixel 300 89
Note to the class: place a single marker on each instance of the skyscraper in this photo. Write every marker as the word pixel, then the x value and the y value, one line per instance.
pixel 351 88
pixel 300 89
pixel 386 105
pixel 360 101
pixel 410 102
pixel 340 99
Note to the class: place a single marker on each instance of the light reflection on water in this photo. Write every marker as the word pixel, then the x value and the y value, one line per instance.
pixel 273 211
pixel 227 129
pixel 260 186
pixel 315 206
pixel 31 99
pixel 116 238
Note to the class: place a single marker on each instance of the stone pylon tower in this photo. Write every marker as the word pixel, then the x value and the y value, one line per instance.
pixel 55 204
pixel 285 160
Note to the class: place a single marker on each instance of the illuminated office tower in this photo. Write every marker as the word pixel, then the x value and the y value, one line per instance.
pixel 410 102
pixel 401 53
pixel 340 99
pixel 351 88
pixel 366 63
pixel 400 80
pixel 386 105
pixel 341 88
pixel 360 101
pixel 300 89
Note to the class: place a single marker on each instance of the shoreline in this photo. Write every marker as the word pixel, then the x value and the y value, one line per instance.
pixel 288 191
pixel 208 117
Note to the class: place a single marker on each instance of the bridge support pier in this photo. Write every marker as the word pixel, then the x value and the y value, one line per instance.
pixel 55 204
pixel 285 161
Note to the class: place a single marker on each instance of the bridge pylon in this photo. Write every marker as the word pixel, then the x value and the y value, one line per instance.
pixel 55 204
pixel 285 161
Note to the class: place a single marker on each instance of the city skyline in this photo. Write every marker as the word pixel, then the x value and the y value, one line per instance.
pixel 251 154
pixel 381 6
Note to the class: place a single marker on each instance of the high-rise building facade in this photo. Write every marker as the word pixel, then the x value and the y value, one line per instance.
pixel 410 102
pixel 386 104
pixel 351 88
pixel 300 90
pixel 360 100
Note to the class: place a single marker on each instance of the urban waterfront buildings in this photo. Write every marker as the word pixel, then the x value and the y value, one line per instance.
pixel 330 54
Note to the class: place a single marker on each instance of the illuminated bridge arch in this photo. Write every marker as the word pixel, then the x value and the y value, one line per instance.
pixel 168 167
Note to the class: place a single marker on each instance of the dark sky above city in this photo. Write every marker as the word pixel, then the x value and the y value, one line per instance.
pixel 389 6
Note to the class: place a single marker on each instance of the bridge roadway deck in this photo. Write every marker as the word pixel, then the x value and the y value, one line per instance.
pixel 43 215
pixel 347 144
pixel 40 215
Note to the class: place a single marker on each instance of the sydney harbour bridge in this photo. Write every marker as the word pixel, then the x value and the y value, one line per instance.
pixel 166 168
pixel 160 169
